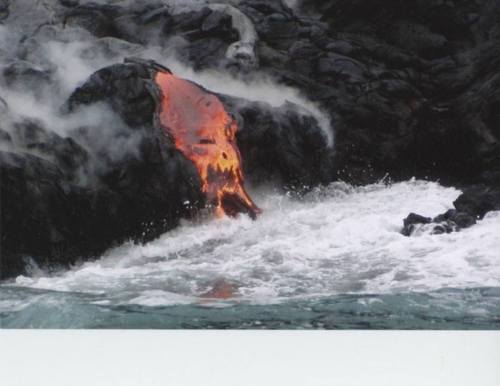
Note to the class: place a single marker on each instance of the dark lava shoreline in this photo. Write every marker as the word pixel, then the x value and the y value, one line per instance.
pixel 411 89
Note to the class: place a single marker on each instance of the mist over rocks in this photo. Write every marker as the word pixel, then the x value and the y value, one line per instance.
pixel 401 82
pixel 411 90
pixel 284 144
pixel 62 202
pixel 141 194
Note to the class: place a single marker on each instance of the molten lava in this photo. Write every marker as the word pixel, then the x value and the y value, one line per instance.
pixel 206 134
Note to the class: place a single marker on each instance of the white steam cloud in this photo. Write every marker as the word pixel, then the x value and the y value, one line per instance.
pixel 70 55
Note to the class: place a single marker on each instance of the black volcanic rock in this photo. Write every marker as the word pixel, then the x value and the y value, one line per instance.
pixel 4 9
pixel 56 211
pixel 477 201
pixel 282 144
pixel 470 207
pixel 412 220
pixel 95 17
pixel 4 107
pixel 127 88
pixel 22 75
pixel 66 199
pixel 412 89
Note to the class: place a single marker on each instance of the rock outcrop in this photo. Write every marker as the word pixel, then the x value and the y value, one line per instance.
pixel 412 90
pixel 64 199
pixel 470 207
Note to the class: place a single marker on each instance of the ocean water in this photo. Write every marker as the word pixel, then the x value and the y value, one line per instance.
pixel 332 260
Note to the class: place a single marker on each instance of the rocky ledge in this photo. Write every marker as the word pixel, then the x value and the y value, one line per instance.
pixel 411 89
pixel 65 199
pixel 470 207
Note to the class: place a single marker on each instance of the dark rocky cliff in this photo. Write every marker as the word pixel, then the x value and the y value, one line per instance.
pixel 411 89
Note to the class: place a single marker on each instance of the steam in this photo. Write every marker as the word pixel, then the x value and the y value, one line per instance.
pixel 261 87
pixel 293 4
pixel 242 51
pixel 70 55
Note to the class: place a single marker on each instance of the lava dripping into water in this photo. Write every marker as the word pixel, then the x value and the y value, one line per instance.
pixel 206 134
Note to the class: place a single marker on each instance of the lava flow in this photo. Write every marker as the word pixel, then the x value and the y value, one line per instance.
pixel 206 134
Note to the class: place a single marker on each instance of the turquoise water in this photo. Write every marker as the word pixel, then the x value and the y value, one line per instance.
pixel 333 260
pixel 453 309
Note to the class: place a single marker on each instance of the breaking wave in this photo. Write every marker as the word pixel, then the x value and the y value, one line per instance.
pixel 334 259
pixel 336 240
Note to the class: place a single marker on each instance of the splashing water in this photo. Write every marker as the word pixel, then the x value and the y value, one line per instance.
pixel 339 248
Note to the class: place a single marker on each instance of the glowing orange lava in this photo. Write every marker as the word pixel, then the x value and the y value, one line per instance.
pixel 206 134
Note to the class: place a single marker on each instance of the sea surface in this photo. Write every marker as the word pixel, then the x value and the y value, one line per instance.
pixel 333 259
